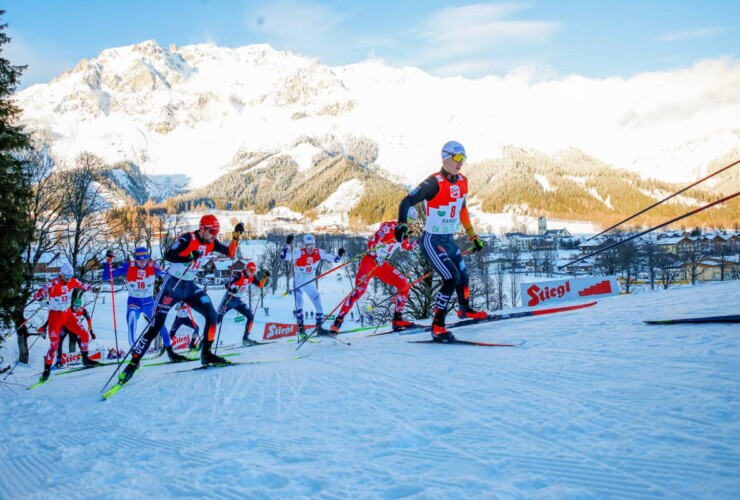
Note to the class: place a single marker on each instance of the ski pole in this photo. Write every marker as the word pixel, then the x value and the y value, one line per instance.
pixel 336 268
pixel 664 199
pixel 113 304
pixel 24 323
pixel 726 198
pixel 316 329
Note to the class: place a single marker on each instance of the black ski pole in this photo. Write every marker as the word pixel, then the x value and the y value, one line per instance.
pixel 665 199
pixel 676 219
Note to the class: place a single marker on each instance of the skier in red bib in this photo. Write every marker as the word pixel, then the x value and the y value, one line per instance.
pixel 186 256
pixel 237 287
pixel 58 291
pixel 375 264
pixel 445 193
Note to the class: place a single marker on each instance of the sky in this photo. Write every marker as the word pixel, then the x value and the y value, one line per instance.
pixel 444 38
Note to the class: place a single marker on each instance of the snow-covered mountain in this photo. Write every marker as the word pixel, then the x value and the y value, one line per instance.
pixel 190 111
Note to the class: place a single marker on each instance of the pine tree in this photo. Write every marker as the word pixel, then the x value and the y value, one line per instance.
pixel 15 193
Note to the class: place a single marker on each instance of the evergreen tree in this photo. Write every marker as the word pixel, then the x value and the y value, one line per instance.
pixel 15 193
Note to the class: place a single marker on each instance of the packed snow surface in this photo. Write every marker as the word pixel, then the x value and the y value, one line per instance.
pixel 594 404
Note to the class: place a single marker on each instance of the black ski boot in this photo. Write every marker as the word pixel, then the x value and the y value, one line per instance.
pixel 45 374
pixel 302 335
pixel 87 362
pixel 174 357
pixel 247 342
pixel 131 367
pixel 208 358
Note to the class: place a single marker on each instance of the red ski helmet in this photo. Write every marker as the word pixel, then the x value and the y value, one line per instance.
pixel 210 223
pixel 252 267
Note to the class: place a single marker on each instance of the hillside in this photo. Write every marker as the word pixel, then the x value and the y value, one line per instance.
pixel 574 186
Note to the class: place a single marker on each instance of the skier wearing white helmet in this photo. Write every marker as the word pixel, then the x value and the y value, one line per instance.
pixel 444 194
pixel 306 261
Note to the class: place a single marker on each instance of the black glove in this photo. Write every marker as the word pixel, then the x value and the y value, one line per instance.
pixel 195 255
pixel 234 290
pixel 92 334
pixel 96 289
pixel 341 252
pixel 400 232
pixel 289 239
pixel 239 228
pixel 267 273
pixel 477 243
pixel 109 254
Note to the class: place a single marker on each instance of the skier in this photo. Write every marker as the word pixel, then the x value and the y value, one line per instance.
pixel 140 276
pixel 186 256
pixel 58 291
pixel 183 317
pixel 81 314
pixel 237 287
pixel 444 193
pixel 375 263
pixel 305 260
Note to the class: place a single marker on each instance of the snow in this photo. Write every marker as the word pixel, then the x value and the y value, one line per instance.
pixel 594 404
pixel 542 180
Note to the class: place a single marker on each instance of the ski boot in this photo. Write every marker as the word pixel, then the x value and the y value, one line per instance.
pixel 467 312
pixel 302 335
pixel 131 367
pixel 193 346
pixel 87 362
pixel 58 365
pixel 336 325
pixel 45 374
pixel 247 342
pixel 208 358
pixel 440 333
pixel 174 357
pixel 398 323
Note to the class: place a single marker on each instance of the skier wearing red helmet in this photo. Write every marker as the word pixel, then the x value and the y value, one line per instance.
pixel 186 256
pixel 237 287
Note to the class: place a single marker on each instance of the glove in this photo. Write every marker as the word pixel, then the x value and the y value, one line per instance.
pixel 96 289
pixel 289 239
pixel 92 334
pixel 381 253
pixel 477 243
pixel 235 235
pixel 234 290
pixel 239 228
pixel 400 232
pixel 341 252
pixel 109 254
pixel 267 273
pixel 195 255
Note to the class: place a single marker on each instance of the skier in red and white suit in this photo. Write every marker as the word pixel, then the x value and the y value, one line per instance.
pixel 375 264
pixel 58 291
pixel 306 260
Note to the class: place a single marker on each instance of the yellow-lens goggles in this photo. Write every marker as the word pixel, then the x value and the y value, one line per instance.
pixel 459 158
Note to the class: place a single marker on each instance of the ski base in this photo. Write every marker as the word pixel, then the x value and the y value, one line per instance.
pixel 110 392
pixel 712 319
pixel 236 363
pixel 37 384
pixel 463 342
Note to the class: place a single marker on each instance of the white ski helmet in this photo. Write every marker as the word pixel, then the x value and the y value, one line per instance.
pixel 309 240
pixel 452 148
pixel 66 271
pixel 412 215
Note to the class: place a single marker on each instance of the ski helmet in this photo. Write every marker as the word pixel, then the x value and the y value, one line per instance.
pixel 141 253
pixel 452 148
pixel 252 267
pixel 76 303
pixel 412 215
pixel 210 223
pixel 66 271
pixel 309 240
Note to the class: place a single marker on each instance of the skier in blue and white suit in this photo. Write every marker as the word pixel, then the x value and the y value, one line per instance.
pixel 140 275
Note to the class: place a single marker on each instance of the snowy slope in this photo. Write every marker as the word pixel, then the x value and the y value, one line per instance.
pixel 188 110
pixel 595 404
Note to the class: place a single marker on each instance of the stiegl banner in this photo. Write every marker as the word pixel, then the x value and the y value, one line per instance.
pixel 548 292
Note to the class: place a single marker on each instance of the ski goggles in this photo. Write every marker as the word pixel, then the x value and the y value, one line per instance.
pixel 459 158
